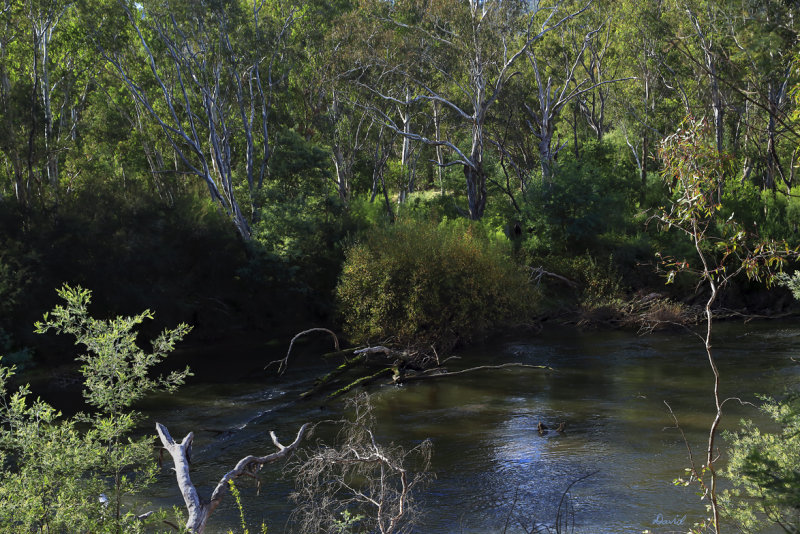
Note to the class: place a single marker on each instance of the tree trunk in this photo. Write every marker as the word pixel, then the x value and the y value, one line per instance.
pixel 643 168
pixel 200 510
pixel 439 154
pixel 476 190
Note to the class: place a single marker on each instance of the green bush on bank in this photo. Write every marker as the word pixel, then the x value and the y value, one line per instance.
pixel 421 283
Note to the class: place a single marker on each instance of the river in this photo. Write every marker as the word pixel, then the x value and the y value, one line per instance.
pixel 491 465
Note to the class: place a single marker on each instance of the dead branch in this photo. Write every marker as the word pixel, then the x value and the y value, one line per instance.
pixel 372 481
pixel 343 352
pixel 361 381
pixel 438 373
pixel 201 509
pixel 538 272
pixel 326 379
pixel 283 363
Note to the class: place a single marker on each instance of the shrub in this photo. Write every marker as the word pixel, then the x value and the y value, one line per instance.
pixel 424 284
pixel 587 198
pixel 73 474
pixel 359 484
pixel 764 469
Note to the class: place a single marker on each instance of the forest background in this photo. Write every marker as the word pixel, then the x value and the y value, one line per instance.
pixel 414 170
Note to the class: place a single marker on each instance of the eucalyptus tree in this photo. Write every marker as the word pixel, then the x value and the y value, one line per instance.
pixel 658 97
pixel 599 60
pixel 704 18
pixel 557 84
pixel 474 48
pixel 745 51
pixel 382 59
pixel 347 125
pixel 12 132
pixel 211 85
pixel 762 63
pixel 45 77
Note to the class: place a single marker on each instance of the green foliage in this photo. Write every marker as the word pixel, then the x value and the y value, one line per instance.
pixel 764 469
pixel 724 248
pixel 72 474
pixel 772 214
pixel 586 198
pixel 792 282
pixel 348 522
pixel 49 479
pixel 420 283
pixel 238 499
pixel 602 285
pixel 115 368
pixel 133 248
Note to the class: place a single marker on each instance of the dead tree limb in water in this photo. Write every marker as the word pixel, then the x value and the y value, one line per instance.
pixel 440 373
pixel 404 365
pixel 200 509
pixel 282 364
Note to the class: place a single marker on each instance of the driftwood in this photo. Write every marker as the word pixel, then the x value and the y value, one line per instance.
pixel 380 349
pixel 362 381
pixel 344 352
pixel 325 380
pixel 439 373
pixel 390 361
pixel 201 509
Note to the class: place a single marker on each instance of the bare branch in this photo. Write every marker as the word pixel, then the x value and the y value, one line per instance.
pixel 283 363
pixel 201 509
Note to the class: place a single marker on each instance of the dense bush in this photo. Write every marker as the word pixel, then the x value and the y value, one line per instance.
pixel 764 467
pixel 421 283
pixel 595 195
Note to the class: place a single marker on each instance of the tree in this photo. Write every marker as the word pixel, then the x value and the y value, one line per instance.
pixel 200 509
pixel 551 98
pixel 650 106
pixel 474 48
pixel 694 170
pixel 762 64
pixel 217 92
pixel 45 77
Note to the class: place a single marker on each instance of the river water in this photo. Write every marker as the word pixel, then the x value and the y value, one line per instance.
pixel 493 469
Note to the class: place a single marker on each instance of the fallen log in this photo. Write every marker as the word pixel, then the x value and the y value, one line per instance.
pixel 324 380
pixel 361 381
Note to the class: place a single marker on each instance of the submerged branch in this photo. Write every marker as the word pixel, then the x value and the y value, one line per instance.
pixel 441 373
